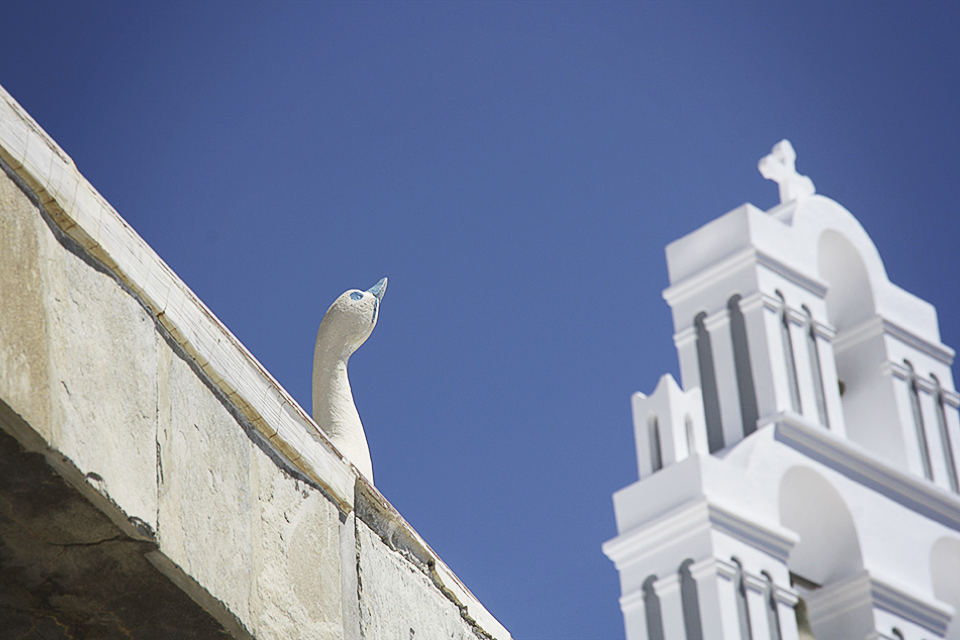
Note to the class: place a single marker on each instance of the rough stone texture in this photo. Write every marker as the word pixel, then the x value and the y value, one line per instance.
pixel 398 600
pixel 23 322
pixel 137 498
pixel 66 571
pixel 260 539
pixel 298 559
pixel 102 353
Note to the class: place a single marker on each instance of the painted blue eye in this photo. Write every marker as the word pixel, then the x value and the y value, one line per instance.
pixel 356 295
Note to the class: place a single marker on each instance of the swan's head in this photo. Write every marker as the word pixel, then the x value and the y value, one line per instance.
pixel 350 319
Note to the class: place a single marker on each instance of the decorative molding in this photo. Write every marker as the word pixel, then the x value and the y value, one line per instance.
pixel 726 570
pixel 685 337
pixel 717 321
pixel 940 352
pixel 878 325
pixel 812 284
pixel 667 585
pixel 726 267
pixel 709 276
pixel 691 519
pixel 925 384
pixel 752 302
pixel 869 328
pixel 856 463
pixel 839 598
pixel 773 543
pixel 866 590
pixel 755 582
pixel 932 615
pixel 784 595
pixel 631 601
pixel 705 568
pixel 712 566
pixel 800 318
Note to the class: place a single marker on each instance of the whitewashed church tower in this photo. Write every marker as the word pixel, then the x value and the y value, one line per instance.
pixel 809 462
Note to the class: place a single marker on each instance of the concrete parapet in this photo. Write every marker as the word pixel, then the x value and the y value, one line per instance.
pixel 156 480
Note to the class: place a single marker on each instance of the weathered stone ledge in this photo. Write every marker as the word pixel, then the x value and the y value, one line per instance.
pixel 274 422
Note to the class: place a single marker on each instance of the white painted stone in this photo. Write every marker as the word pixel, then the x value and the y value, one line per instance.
pixel 779 167
pixel 846 507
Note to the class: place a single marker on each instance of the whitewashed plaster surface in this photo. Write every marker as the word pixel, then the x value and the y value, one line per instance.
pixel 148 405
pixel 844 473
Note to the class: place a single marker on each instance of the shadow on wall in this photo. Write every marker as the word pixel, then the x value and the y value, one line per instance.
pixel 828 553
pixel 829 549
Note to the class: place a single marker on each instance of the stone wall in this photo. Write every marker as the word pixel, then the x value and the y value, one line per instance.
pixel 144 488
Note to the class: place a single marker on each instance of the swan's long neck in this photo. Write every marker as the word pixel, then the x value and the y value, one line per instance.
pixel 333 407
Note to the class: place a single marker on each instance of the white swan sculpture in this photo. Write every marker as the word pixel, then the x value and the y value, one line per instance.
pixel 346 325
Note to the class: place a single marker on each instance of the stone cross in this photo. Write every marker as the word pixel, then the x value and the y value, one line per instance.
pixel 779 167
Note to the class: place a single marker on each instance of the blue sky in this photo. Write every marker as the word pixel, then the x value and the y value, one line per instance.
pixel 516 170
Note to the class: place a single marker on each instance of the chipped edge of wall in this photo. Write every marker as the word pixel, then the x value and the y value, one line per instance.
pixel 374 510
pixel 85 216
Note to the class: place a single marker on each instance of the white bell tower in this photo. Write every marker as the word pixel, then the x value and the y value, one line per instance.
pixel 807 469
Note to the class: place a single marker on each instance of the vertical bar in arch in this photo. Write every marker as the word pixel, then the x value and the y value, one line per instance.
pixel 651 605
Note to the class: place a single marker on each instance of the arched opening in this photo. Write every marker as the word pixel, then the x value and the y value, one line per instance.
pixel 829 548
pixel 651 605
pixel 788 356
pixel 871 412
pixel 810 332
pixel 690 602
pixel 743 607
pixel 945 435
pixel 770 600
pixel 918 425
pixel 828 551
pixel 944 569
pixel 741 363
pixel 849 295
pixel 708 385
pixel 656 453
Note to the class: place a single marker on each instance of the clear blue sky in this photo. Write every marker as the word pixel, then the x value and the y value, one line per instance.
pixel 516 170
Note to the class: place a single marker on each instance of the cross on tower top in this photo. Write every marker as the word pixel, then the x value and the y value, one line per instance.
pixel 779 167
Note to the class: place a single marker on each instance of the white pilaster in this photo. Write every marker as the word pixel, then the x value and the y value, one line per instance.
pixel 671 607
pixel 712 621
pixel 634 615
pixel 756 602
pixel 934 441
pixel 778 379
pixel 752 308
pixel 900 378
pixel 727 589
pixel 725 372
pixel 801 358
pixel 831 385
pixel 686 343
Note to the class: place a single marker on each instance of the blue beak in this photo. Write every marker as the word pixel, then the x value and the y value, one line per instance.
pixel 378 289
